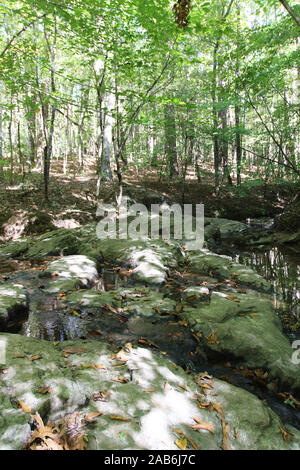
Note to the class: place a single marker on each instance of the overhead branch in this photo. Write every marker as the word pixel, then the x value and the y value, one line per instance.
pixel 19 33
pixel 291 12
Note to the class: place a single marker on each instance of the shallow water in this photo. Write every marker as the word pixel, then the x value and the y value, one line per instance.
pixel 282 268
pixel 51 318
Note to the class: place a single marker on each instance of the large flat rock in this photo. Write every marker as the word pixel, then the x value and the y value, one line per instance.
pixel 246 327
pixel 155 397
pixel 71 272
pixel 13 304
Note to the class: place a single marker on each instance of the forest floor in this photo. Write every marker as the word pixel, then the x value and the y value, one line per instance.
pixel 72 201
pixel 153 325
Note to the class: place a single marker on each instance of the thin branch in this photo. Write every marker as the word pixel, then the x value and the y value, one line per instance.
pixel 295 17
pixel 287 165
pixel 19 33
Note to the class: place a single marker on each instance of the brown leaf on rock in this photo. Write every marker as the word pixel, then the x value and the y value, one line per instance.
pixel 218 408
pixel 181 443
pixel 120 418
pixel 226 445
pixel 212 338
pixel 95 332
pixel 102 395
pixel 193 443
pixel 121 380
pixel 183 387
pixel 286 435
pixel 44 390
pixel 122 356
pixel 109 308
pixel 202 425
pixel 25 408
pixel 233 298
pixel 35 357
pixel 92 416
pixel 72 350
pixel 43 437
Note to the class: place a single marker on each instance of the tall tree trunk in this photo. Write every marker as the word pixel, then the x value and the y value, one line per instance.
pixel 170 139
pixel 217 159
pixel 107 146
pixel 1 143
pixel 238 144
pixel 11 146
pixel 224 145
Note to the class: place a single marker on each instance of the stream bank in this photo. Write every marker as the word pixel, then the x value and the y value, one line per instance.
pixel 153 295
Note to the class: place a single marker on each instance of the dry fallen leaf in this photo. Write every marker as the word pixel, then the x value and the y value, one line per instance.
pixel 181 443
pixel 92 416
pixel 72 350
pixel 233 298
pixel 102 395
pixel 204 425
pixel 193 443
pixel 121 380
pixel 95 332
pixel 122 356
pixel 35 357
pixel 25 408
pixel 178 431
pixel 44 390
pixel 218 408
pixel 44 437
pixel 120 418
pixel 183 387
pixel 212 338
pixel 286 435
pixel 226 445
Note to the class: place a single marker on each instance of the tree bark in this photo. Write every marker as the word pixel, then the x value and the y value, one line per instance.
pixel 170 140
pixel 291 12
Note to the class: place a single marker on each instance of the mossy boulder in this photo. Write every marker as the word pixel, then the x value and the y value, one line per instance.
pixel 133 301
pixel 247 328
pixel 150 260
pixel 58 242
pixel 222 267
pixel 14 249
pixel 226 228
pixel 13 304
pixel 71 272
pixel 142 411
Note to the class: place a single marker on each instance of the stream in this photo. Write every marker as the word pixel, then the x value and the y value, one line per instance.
pixel 51 318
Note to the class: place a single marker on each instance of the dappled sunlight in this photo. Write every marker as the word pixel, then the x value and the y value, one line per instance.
pixel 77 266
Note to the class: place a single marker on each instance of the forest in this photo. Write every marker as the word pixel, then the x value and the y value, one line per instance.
pixel 114 342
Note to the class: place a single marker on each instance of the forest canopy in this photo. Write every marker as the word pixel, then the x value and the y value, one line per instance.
pixel 149 84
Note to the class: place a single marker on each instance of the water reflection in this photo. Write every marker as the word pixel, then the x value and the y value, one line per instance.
pixel 282 269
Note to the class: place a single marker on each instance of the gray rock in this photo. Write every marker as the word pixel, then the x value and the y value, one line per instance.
pixel 149 260
pixel 13 304
pixel 246 327
pixel 133 301
pixel 156 397
pixel 227 228
pixel 222 267
pixel 58 242
pixel 71 272
pixel 14 249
